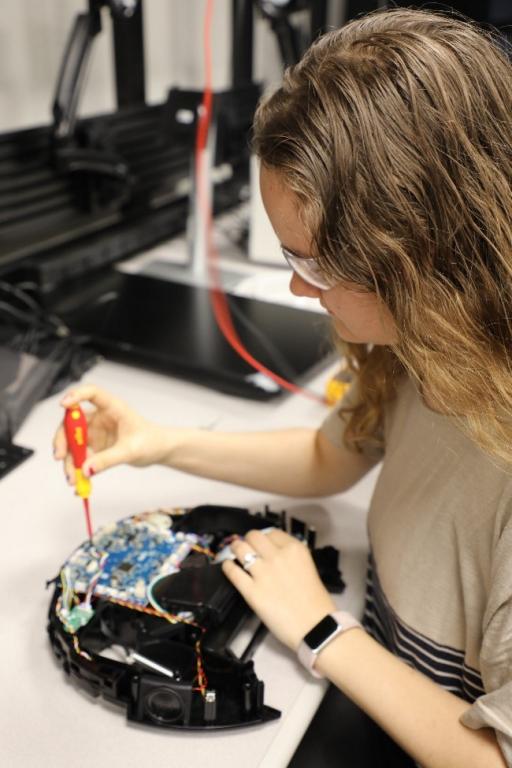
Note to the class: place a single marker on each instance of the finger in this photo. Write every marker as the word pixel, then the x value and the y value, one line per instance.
pixel 239 578
pixel 60 445
pixel 69 470
pixel 89 392
pixel 261 543
pixel 241 550
pixel 280 538
pixel 99 462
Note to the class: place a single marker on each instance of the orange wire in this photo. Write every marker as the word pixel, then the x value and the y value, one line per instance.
pixel 202 680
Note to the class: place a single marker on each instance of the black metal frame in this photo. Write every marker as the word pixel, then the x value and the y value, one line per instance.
pixel 128 33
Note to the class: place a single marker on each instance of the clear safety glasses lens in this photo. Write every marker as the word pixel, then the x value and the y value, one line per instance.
pixel 308 269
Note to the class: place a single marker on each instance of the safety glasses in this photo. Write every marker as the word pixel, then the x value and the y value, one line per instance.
pixel 309 270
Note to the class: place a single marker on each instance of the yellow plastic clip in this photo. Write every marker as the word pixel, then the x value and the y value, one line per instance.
pixel 335 390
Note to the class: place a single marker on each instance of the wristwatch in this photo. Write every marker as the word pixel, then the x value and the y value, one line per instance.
pixel 321 635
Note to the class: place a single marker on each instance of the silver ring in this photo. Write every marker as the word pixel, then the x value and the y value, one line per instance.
pixel 249 559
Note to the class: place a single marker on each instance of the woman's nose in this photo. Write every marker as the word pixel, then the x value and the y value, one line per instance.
pixel 300 287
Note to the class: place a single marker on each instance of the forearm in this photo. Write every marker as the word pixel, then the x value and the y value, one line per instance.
pixel 287 462
pixel 419 715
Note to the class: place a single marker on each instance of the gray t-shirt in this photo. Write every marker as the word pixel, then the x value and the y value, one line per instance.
pixel 440 569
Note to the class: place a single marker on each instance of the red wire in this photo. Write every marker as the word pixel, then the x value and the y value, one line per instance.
pixel 88 518
pixel 218 298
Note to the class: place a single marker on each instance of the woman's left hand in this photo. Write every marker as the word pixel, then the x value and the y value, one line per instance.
pixel 282 585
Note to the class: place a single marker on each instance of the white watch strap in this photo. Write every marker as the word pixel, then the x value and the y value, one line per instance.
pixel 307 657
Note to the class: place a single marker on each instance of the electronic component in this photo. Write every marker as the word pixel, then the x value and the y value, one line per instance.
pixel 139 549
pixel 143 615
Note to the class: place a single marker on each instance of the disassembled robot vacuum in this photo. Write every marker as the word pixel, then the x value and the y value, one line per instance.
pixel 142 614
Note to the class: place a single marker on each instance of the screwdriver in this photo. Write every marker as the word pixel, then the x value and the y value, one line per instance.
pixel 75 427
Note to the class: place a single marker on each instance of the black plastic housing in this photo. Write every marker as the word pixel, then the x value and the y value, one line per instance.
pixel 168 696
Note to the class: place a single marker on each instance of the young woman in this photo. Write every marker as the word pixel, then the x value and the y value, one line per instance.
pixel 387 175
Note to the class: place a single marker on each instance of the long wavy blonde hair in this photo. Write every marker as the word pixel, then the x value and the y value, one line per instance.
pixel 395 134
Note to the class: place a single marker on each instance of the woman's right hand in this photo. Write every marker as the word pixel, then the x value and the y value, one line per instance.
pixel 116 434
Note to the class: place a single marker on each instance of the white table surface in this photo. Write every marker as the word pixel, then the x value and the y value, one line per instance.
pixel 45 721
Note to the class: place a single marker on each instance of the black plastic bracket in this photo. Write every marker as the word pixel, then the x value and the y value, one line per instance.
pixel 11 456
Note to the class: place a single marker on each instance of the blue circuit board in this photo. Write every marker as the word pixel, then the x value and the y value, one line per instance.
pixel 125 557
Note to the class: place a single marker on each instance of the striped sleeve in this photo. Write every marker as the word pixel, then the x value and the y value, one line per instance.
pixel 442 663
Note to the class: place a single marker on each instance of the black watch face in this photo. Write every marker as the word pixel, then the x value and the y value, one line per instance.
pixel 320 632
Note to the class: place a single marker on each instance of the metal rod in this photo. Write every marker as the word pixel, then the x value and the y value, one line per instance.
pixel 145 662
